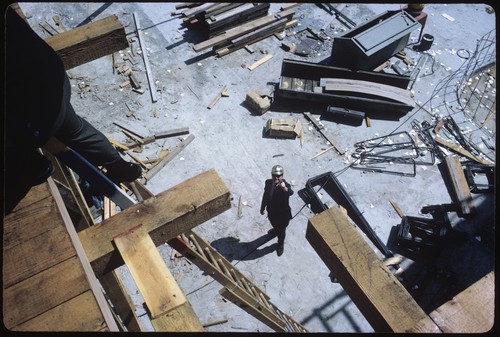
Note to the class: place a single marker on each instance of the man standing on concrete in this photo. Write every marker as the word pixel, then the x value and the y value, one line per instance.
pixel 275 199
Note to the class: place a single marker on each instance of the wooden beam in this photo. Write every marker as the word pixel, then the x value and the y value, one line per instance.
pixel 241 30
pixel 89 42
pixel 367 87
pixel 154 280
pixel 182 319
pixel 165 216
pixel 471 311
pixel 460 187
pixel 378 294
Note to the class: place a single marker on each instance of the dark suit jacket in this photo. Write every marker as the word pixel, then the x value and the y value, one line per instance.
pixel 276 201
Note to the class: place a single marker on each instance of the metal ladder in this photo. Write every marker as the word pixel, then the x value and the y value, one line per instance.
pixel 237 288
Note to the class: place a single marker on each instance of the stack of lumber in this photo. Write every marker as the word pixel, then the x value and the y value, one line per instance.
pixel 249 32
pixel 214 18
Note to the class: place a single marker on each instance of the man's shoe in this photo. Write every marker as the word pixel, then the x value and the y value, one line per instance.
pixel 279 251
pixel 123 171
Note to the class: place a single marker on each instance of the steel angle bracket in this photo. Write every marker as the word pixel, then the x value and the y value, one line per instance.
pixel 332 186
pixel 97 180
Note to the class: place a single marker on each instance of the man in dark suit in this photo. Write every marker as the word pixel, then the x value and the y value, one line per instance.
pixel 277 192
pixel 37 108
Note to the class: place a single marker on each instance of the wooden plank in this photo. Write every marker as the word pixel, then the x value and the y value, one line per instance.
pixel 149 271
pixel 378 294
pixel 153 171
pixel 241 30
pixel 370 88
pixel 152 86
pixel 171 133
pixel 116 292
pixel 23 223
pixel 89 42
pixel 260 62
pixel 397 208
pixel 69 316
pixel 91 280
pixel 165 216
pixel 471 311
pixel 37 193
pixel 460 150
pixel 460 187
pixel 182 319
pixel 43 291
pixel 254 36
pixel 38 253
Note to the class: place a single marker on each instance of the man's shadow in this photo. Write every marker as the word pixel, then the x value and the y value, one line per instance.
pixel 232 249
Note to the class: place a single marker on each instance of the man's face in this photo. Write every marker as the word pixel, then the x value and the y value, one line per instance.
pixel 277 178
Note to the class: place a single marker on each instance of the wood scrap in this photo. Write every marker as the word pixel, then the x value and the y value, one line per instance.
pixel 397 208
pixel 55 27
pixel 118 145
pixel 59 23
pixel 240 208
pixel 133 80
pixel 124 84
pixel 156 136
pixel 168 158
pixel 222 93
pixel 221 321
pixel 382 66
pixel 323 152
pixel 258 102
pixel 260 62
pixel 133 134
pixel 48 28
pixel 137 160
pixel 136 191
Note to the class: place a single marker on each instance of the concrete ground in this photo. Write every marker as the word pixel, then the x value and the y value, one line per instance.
pixel 229 138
